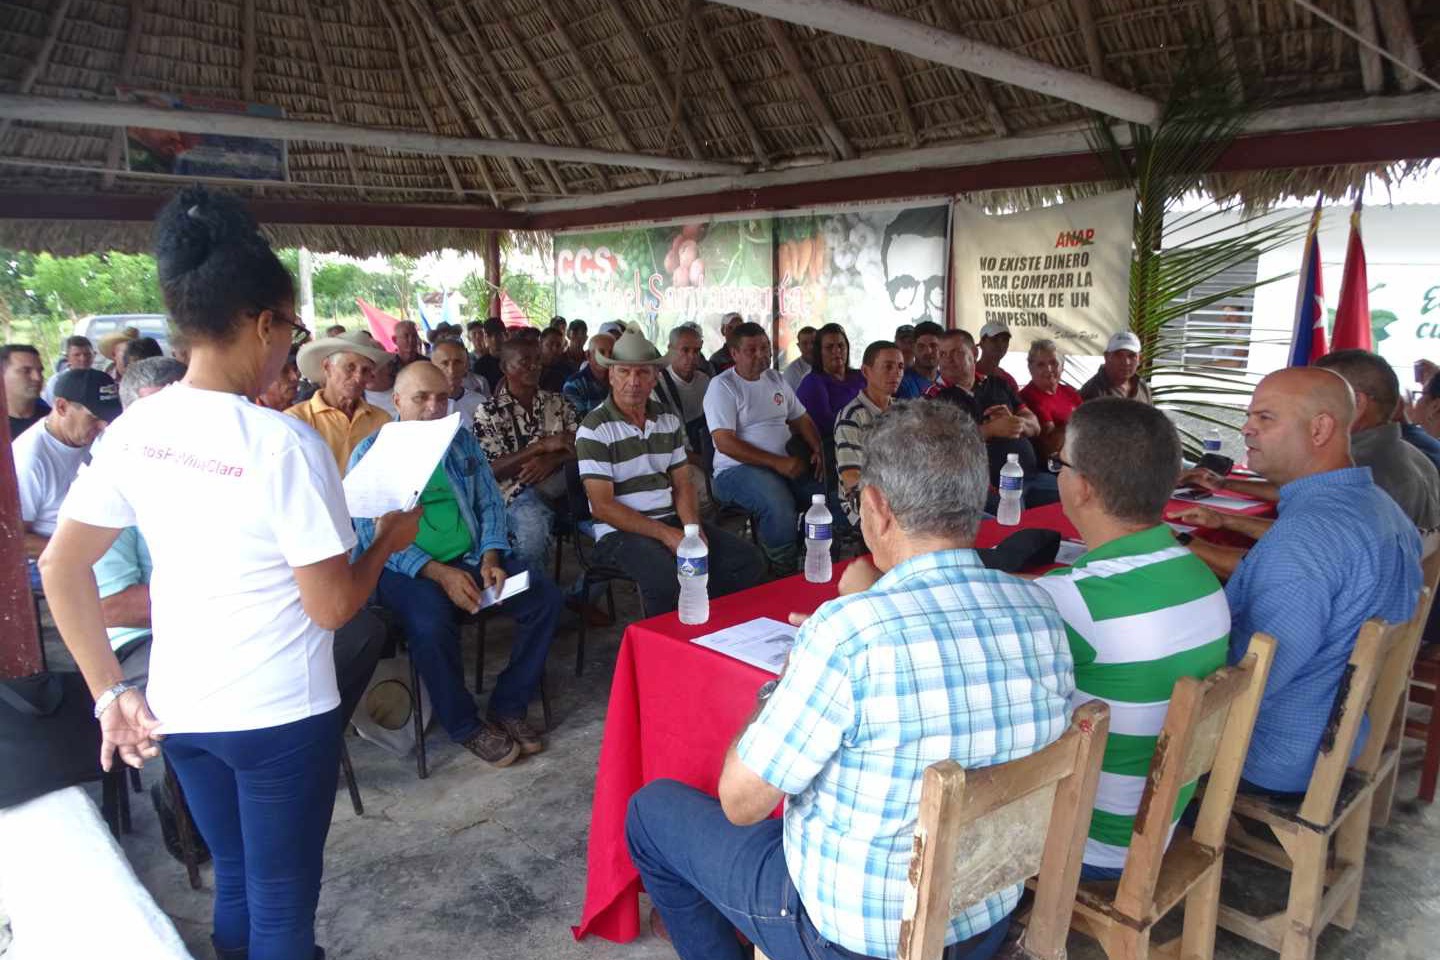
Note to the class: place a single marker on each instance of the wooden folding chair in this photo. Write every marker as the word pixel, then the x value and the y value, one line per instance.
pixel 1324 879
pixel 1423 689
pixel 980 831
pixel 1207 730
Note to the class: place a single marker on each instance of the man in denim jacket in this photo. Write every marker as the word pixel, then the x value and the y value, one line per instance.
pixel 463 548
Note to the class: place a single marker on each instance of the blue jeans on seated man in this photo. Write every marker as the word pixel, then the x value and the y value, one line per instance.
pixel 432 632
pixel 709 878
pixel 531 520
pixel 776 501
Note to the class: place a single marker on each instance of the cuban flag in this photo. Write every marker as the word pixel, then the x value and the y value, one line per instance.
pixel 1308 343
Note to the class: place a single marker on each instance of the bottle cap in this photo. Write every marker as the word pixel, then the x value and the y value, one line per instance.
pixel 817 499
pixel 1012 458
pixel 692 529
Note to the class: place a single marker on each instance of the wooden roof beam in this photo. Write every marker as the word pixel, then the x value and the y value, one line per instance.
pixel 42 56
pixel 588 79
pixel 127 67
pixel 1400 38
pixel 506 106
pixel 890 69
pixel 1372 70
pixel 513 42
pixel 1090 36
pixel 920 40
pixel 1402 66
pixel 1225 43
pixel 840 144
pixel 413 89
pixel 327 78
pixel 979 86
pixel 104 113
pixel 479 115
pixel 250 48
pixel 737 106
pixel 657 76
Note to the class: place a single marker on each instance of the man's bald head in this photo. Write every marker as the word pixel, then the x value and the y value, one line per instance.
pixel 422 392
pixel 1299 424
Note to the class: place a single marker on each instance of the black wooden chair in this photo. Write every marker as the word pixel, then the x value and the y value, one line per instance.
pixel 592 574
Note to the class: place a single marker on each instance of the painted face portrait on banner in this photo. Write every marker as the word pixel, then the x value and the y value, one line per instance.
pixel 913 255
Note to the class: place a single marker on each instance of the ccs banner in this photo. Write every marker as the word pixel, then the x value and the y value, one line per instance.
pixel 868 269
pixel 1060 273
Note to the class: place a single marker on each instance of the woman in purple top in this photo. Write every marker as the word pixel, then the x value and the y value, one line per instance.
pixel 832 382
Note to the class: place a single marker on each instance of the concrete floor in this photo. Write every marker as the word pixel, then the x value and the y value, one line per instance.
pixel 480 863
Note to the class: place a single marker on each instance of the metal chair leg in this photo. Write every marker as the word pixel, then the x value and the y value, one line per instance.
pixel 109 805
pixel 417 710
pixel 135 784
pixel 580 635
pixel 349 771
pixel 122 796
pixel 185 827
pixel 545 702
pixel 480 654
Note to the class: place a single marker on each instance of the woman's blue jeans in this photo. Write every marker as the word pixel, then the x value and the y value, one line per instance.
pixel 262 800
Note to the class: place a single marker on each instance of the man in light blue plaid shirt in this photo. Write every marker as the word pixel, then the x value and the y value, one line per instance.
pixel 939 658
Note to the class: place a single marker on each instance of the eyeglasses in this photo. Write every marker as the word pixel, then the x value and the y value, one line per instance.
pixel 1057 463
pixel 299 336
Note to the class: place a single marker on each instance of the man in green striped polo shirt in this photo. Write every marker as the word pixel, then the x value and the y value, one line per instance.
pixel 1141 611
pixel 632 460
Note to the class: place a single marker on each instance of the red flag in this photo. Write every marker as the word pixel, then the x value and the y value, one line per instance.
pixel 382 325
pixel 511 313
pixel 1352 317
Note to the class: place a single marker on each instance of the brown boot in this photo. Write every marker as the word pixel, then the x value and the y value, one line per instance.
pixel 493 745
pixel 519 730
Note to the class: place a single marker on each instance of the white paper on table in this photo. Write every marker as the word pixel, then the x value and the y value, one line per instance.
pixel 1217 500
pixel 1070 551
pixel 519 583
pixel 397 466
pixel 762 642
pixel 1179 527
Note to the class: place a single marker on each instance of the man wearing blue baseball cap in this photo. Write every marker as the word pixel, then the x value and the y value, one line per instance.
pixel 49 454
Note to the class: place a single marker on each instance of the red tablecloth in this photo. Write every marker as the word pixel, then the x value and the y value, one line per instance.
pixel 675 707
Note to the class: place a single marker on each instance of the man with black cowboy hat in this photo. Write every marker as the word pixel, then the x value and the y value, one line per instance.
pixel 632 460
pixel 48 456
pixel 338 410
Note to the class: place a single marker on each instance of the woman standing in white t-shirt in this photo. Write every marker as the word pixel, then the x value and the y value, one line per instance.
pixel 246 522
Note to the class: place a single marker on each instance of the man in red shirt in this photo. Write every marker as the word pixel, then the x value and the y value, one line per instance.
pixel 1051 401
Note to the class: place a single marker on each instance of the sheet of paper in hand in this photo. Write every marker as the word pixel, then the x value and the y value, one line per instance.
pixel 513 585
pixel 762 642
pixel 397 466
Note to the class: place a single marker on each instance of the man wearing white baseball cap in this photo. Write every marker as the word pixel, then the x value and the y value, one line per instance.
pixel 994 344
pixel 1116 376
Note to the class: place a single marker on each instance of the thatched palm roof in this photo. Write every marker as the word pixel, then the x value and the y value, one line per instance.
pixel 680 78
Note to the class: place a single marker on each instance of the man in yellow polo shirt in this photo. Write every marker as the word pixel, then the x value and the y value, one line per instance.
pixel 338 410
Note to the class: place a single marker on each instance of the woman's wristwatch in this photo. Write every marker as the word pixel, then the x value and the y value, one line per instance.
pixel 102 702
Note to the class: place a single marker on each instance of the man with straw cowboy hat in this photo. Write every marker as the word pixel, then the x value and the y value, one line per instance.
pixel 338 410
pixel 631 453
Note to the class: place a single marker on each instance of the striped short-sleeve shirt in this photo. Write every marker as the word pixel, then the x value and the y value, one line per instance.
pixel 1140 612
pixel 851 426
pixel 638 462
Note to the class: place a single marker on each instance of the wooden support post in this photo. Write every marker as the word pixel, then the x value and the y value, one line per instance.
pixel 19 633
pixel 1085 19
pixel 1399 34
pixel 839 143
pixel 1225 43
pixel 1372 71
pixel 492 270
pixel 891 71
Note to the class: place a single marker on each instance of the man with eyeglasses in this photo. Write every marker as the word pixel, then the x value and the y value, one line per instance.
pixel 528 435
pixel 338 410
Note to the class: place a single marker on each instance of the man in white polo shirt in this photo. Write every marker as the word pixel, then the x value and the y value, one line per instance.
pixel 753 414
pixel 50 454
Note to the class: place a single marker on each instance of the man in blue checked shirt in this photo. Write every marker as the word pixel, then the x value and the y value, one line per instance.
pixel 463 548
pixel 929 657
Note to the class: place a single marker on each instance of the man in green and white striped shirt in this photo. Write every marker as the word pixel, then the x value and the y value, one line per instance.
pixel 631 454
pixel 1141 611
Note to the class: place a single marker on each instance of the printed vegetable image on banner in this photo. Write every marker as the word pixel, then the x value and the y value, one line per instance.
pixel 662 276
pixel 1060 273
pixel 203 154
pixel 868 270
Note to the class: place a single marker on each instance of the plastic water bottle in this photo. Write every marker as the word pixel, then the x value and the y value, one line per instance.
pixel 692 564
pixel 817 540
pixel 1012 490
pixel 1212 440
